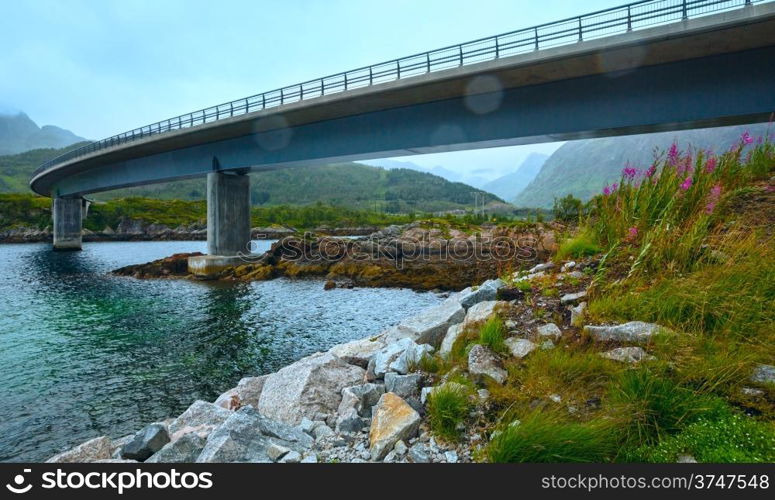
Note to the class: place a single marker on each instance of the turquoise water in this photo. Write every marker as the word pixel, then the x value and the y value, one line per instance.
pixel 83 353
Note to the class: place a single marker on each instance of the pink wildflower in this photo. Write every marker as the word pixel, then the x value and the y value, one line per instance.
pixel 672 154
pixel 629 172
pixel 632 233
pixel 686 184
pixel 746 138
pixel 710 165
pixel 652 170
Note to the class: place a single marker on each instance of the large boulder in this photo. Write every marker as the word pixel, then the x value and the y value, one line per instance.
pixel 243 438
pixel 199 414
pixel 95 449
pixel 405 386
pixel 185 449
pixel 393 420
pixel 634 331
pixel 453 333
pixel 358 352
pixel 229 400
pixel 482 361
pixel 308 387
pixel 360 398
pixel 482 311
pixel 429 326
pixel 398 357
pixel 249 390
pixel 470 296
pixel 146 442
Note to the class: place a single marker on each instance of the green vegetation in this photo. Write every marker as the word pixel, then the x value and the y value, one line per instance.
pixel 730 438
pixel 27 210
pixel 568 209
pixel 493 333
pixel 687 244
pixel 448 407
pixel 583 167
pixel 546 436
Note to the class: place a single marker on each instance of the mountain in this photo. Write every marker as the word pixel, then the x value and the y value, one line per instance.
pixel 437 170
pixel 583 168
pixel 510 185
pixel 18 133
pixel 350 185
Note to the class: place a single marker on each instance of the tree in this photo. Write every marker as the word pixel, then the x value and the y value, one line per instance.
pixel 567 209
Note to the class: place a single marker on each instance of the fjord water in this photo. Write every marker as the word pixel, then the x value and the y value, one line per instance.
pixel 84 353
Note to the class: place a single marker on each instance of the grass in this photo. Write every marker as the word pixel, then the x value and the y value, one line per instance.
pixel 448 407
pixel 492 334
pixel 728 439
pixel 543 436
pixel 577 375
pixel 579 246
pixel 649 407
pixel 687 244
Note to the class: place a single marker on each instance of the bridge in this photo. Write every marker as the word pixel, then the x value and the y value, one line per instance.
pixel 648 66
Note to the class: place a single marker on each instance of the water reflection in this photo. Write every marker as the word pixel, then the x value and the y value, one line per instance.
pixel 83 353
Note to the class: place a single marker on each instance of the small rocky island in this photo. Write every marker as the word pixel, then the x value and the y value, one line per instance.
pixel 418 256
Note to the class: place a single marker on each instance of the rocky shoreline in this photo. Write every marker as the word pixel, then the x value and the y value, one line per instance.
pixel 369 400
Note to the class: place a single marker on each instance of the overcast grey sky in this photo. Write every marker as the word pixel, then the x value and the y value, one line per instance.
pixel 99 67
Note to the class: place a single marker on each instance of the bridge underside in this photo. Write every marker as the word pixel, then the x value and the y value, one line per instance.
pixel 719 90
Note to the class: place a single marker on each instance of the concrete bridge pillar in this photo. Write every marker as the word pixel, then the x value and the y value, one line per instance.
pixel 68 221
pixel 228 224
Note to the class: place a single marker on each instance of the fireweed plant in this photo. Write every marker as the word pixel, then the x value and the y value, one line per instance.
pixel 667 210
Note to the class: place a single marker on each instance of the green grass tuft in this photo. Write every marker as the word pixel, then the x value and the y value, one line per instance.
pixel 543 436
pixel 448 407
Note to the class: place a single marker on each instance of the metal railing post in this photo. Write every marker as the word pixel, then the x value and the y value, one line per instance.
pixel 282 96
pixel 398 69
pixel 427 62
pixel 345 81
pixel 371 77
pixel 535 35
pixel 684 10
pixel 629 19
pixel 460 47
pixel 580 32
pixel 497 49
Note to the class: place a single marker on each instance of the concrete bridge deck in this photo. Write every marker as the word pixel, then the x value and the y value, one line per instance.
pixel 712 70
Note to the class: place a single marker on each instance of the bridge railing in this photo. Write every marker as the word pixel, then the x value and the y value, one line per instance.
pixel 617 20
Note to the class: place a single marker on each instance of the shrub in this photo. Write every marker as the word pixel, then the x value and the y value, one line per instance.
pixel 728 439
pixel 567 209
pixel 542 436
pixel 448 406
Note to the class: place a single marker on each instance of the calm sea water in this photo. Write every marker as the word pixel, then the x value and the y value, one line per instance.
pixel 83 353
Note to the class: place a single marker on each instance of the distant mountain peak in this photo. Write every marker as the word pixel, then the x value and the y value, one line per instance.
pixel 19 133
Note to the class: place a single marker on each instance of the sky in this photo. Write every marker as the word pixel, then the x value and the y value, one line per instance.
pixel 100 67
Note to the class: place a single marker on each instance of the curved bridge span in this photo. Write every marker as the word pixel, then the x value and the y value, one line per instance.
pixel 650 66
